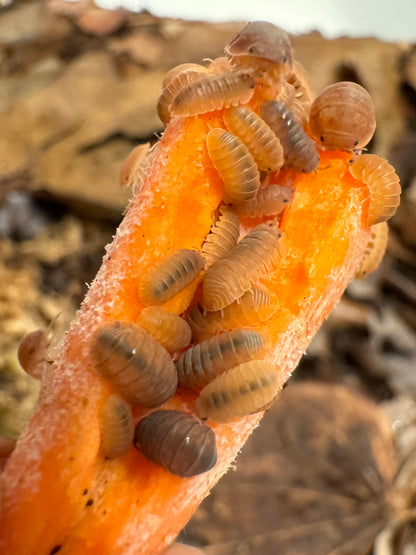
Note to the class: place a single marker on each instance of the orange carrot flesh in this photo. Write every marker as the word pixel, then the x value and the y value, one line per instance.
pixel 58 489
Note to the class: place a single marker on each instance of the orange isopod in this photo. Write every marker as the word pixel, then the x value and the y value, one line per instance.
pixel 245 389
pixel 271 200
pixel 169 329
pixel 382 182
pixel 200 364
pixel 213 93
pixel 170 91
pixel 134 363
pixel 252 258
pixel 117 427
pixel 235 165
pixel 179 442
pixel 300 151
pixel 222 238
pixel 343 117
pixel 33 353
pixel 132 171
pixel 374 251
pixel 160 284
pixel 263 144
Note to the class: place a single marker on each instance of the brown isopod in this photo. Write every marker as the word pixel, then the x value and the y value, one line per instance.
pixel 200 364
pixel 260 140
pixel 382 182
pixel 33 353
pixel 132 171
pixel 300 151
pixel 270 201
pixel 134 363
pixel 222 238
pixel 160 284
pixel 374 251
pixel 343 117
pixel 170 91
pixel 179 442
pixel 169 329
pixel 117 427
pixel 245 389
pixel 234 164
pixel 213 93
pixel 252 258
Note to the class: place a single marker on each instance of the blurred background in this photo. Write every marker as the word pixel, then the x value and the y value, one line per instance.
pixel 332 468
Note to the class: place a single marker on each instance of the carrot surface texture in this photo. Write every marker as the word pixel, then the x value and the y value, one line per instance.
pixel 60 492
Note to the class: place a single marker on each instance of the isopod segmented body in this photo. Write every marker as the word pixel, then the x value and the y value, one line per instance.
pixel 263 144
pixel 343 117
pixel 235 165
pixel 117 427
pixel 170 330
pixel 270 201
pixel 213 93
pixel 382 182
pixel 132 171
pixel 374 251
pixel 222 238
pixel 252 258
pixel 170 91
pixel 182 68
pixel 200 364
pixel 33 353
pixel 160 284
pixel 299 150
pixel 136 365
pixel 178 442
pixel 296 93
pixel 243 390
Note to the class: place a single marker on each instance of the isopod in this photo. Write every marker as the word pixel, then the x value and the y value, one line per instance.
pixel 160 284
pixel 132 171
pixel 117 427
pixel 252 258
pixel 200 364
pixel 134 363
pixel 260 140
pixel 297 93
pixel 270 201
pixel 343 117
pixel 182 68
pixel 170 91
pixel 223 237
pixel 245 389
pixel 234 164
pixel 169 329
pixel 253 308
pixel 299 150
pixel 33 353
pixel 179 442
pixel 213 93
pixel 374 251
pixel 382 182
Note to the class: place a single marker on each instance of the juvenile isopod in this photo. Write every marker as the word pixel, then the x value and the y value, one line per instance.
pixel 134 363
pixel 260 140
pixel 270 201
pixel 343 117
pixel 33 353
pixel 382 182
pixel 169 329
pixel 243 390
pixel 251 259
pixel 179 442
pixel 117 427
pixel 296 93
pixel 213 93
pixel 182 68
pixel 220 65
pixel 132 171
pixel 200 364
pixel 299 150
pixel 170 91
pixel 374 251
pixel 234 164
pixel 222 238
pixel 160 284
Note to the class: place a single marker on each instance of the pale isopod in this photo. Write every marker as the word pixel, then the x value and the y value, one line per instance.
pixel 169 329
pixel 167 279
pixel 134 363
pixel 245 389
pixel 200 364
pixel 220 65
pixel 33 353
pixel 182 68
pixel 343 117
pixel 235 165
pixel 301 100
pixel 300 151
pixel 263 144
pixel 270 201
pixel 132 171
pixel 222 238
pixel 117 427
pixel 252 258
pixel 382 182
pixel 179 442
pixel 170 91
pixel 213 93
pixel 374 251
